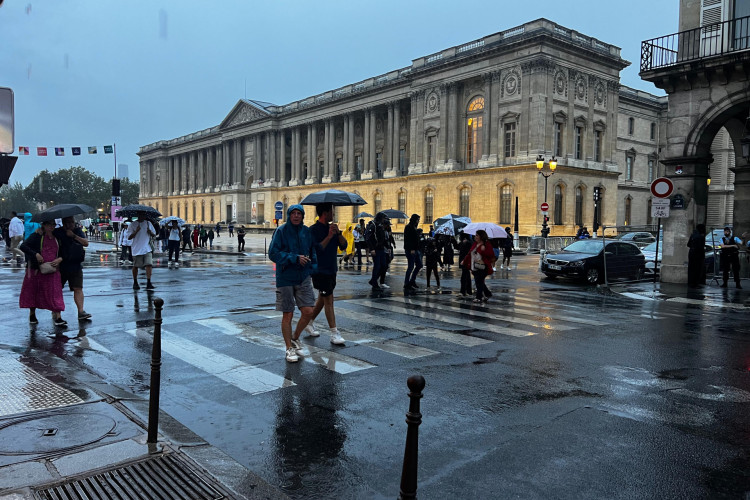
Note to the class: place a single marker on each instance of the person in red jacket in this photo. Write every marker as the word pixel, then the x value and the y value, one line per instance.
pixel 479 260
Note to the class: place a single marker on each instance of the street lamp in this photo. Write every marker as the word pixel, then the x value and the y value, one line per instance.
pixel 540 167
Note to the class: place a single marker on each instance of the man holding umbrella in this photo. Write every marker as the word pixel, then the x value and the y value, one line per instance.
pixel 140 233
pixel 327 239
pixel 72 244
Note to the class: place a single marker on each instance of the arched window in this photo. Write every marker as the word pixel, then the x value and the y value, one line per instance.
pixel 628 203
pixel 464 196
pixel 631 126
pixel 195 214
pixel 203 211
pixel 402 204
pixel 171 209
pixel 558 215
pixel 579 206
pixel 186 210
pixel 378 202
pixel 178 209
pixel 505 204
pixel 212 211
pixel 474 130
pixel 429 199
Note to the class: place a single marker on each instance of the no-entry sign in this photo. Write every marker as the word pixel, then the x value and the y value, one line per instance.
pixel 545 206
pixel 662 187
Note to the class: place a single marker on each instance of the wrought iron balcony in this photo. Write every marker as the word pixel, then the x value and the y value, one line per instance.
pixel 692 45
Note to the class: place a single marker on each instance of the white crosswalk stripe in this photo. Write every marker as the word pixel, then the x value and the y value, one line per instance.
pixel 332 360
pixel 246 377
pixel 391 304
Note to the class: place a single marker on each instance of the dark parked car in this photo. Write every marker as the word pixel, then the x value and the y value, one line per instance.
pixel 639 238
pixel 584 260
pixel 649 252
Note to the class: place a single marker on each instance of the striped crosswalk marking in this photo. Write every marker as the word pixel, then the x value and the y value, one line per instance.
pixel 506 314
pixel 391 305
pixel 532 307
pixel 411 328
pixel 246 377
pixel 332 360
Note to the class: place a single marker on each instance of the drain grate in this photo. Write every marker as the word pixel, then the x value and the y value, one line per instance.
pixel 164 477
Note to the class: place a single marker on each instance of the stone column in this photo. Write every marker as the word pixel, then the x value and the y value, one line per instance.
pixel 333 174
pixel 393 139
pixel 388 144
pixel 741 222
pixel 346 159
pixel 312 154
pixel 487 124
pixel 327 153
pixel 691 185
pixel 209 166
pixel 351 165
pixel 283 181
pixel 373 144
pixel 219 167
pixel 295 180
pixel 366 147
pixel 453 121
pixel 272 163
pixel 442 149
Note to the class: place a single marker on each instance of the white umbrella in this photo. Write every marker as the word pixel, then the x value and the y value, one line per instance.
pixel 492 230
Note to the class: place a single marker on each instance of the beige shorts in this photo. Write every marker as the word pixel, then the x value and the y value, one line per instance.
pixel 301 295
pixel 145 260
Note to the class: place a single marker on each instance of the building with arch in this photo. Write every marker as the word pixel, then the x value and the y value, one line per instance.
pixel 457 131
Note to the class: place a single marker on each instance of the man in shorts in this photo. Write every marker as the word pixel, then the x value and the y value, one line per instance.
pixel 72 244
pixel 293 251
pixel 140 234
pixel 328 239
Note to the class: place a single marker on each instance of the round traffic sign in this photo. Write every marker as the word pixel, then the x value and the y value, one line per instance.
pixel 545 206
pixel 662 187
pixel 278 205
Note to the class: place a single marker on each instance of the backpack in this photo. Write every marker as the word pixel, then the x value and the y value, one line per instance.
pixel 370 238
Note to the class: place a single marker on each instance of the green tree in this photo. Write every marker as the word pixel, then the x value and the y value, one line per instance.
pixel 70 185
pixel 129 191
pixel 12 198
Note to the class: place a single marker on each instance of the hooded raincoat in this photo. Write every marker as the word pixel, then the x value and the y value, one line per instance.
pixel 288 243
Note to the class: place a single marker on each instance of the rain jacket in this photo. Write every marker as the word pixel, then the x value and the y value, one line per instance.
pixel 28 226
pixel 288 243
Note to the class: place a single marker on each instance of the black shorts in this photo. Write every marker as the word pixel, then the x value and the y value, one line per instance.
pixel 74 279
pixel 507 253
pixel 324 283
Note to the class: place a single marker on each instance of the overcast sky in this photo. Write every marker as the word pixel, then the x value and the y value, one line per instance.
pixel 93 72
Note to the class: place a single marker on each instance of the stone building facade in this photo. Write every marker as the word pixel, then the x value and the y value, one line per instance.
pixel 457 131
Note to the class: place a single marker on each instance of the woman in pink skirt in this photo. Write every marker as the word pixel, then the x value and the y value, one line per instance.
pixel 42 291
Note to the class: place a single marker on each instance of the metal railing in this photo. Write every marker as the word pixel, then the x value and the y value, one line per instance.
pixel 699 43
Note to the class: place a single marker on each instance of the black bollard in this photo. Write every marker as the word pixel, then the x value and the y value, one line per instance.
pixel 153 397
pixel 411 452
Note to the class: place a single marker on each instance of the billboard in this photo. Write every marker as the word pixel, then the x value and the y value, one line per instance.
pixel 6 121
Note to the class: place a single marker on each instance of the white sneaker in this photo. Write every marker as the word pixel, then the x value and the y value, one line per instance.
pixel 297 346
pixel 291 355
pixel 310 331
pixel 501 266
pixel 438 289
pixel 337 339
pixel 383 285
pixel 176 265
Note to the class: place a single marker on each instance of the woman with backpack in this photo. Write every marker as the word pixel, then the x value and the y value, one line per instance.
pixel 479 260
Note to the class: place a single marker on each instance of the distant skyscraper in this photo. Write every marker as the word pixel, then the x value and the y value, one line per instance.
pixel 122 171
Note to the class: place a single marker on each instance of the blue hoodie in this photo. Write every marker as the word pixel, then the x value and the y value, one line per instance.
pixel 288 243
pixel 28 226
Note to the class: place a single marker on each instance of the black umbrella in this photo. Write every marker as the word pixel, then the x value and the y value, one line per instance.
pixel 133 210
pixel 61 211
pixel 394 214
pixel 335 197
pixel 362 215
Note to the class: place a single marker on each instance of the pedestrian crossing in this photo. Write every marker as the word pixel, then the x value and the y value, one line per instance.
pixel 410 327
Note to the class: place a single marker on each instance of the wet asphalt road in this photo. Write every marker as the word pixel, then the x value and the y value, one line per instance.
pixel 551 390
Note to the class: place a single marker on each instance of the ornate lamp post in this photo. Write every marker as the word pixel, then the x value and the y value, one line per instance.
pixel 540 167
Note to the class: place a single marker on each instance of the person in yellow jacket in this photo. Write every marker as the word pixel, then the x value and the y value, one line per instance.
pixel 348 254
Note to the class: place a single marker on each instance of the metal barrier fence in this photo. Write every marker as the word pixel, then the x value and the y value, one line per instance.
pixel 553 244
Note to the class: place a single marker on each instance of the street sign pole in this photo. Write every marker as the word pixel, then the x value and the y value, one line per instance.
pixel 656 255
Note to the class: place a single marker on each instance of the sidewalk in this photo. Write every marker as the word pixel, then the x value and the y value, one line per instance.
pixel 710 295
pixel 92 439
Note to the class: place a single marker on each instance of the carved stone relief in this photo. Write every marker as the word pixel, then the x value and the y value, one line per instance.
pixel 511 83
pixel 580 88
pixel 560 83
pixel 246 114
pixel 432 103
pixel 600 94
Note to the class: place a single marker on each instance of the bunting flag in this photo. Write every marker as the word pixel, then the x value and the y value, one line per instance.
pixel 23 150
pixel 107 150
pixel 76 151
pixel 92 150
pixel 41 151
pixel 59 151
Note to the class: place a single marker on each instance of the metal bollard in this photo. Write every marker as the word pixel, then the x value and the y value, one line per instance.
pixel 411 452
pixel 153 397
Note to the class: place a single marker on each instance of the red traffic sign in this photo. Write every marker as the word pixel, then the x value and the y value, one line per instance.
pixel 545 206
pixel 662 187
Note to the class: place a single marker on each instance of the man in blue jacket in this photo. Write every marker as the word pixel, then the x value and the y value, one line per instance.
pixel 293 251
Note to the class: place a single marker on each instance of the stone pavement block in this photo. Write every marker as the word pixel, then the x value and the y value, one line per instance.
pixel 102 456
pixel 24 474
